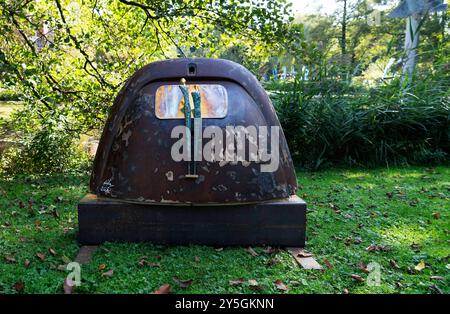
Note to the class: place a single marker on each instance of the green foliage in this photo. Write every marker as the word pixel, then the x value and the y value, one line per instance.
pixel 68 59
pixel 44 151
pixel 8 95
pixel 391 123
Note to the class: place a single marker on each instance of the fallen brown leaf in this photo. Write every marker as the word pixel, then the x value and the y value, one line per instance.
pixel 26 263
pixel 437 278
pixel 101 266
pixel 420 266
pixel 68 286
pixel 377 248
pixel 52 251
pixel 348 241
pixel 357 277
pixel 435 289
pixel 251 251
pixel 196 259
pixel 164 289
pixel 40 256
pixel 363 268
pixel 10 259
pixel 109 273
pixel 142 262
pixel 394 264
pixel 280 285
pixel 19 286
pixel 327 263
pixel 436 215
pixel 183 283
pixel 237 282
pixel 151 264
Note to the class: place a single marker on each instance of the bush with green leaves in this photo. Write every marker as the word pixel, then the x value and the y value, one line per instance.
pixel 44 151
pixel 8 95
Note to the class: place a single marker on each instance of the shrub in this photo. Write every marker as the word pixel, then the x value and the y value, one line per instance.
pixel 383 125
pixel 8 95
pixel 44 151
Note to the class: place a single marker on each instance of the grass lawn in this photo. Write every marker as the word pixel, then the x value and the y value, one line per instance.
pixel 401 214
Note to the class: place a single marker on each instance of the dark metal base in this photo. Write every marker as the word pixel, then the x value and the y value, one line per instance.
pixel 276 223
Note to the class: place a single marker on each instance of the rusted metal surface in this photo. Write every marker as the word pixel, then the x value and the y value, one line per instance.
pixel 133 160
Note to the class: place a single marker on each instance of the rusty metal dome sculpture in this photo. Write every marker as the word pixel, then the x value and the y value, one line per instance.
pixel 134 161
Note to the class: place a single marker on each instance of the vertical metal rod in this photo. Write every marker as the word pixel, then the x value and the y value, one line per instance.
pixel 187 119
pixel 197 130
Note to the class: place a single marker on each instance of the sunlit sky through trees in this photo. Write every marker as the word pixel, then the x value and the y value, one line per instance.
pixel 326 6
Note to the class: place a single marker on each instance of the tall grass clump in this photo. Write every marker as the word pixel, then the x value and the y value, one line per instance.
pixel 397 122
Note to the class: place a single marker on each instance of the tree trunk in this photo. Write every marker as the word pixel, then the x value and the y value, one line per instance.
pixel 411 43
pixel 344 28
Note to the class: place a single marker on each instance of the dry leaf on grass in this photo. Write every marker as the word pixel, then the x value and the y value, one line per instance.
pixel 101 266
pixel 10 259
pixel 237 282
pixel 251 251
pixel 327 263
pixel 378 248
pixel 164 289
pixel 40 256
pixel 280 285
pixel 420 266
pixel 52 251
pixel 183 283
pixel 68 286
pixel 394 264
pixel 109 273
pixel 357 278
pixel 436 215
pixel 19 286
pixel 363 268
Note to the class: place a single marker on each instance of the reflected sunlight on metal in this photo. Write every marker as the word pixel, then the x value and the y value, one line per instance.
pixel 169 101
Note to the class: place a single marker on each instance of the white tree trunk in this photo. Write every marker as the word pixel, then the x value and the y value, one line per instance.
pixel 411 43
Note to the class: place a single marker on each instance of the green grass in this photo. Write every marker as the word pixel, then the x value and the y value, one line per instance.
pixel 349 210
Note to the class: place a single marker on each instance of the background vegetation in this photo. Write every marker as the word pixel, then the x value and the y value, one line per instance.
pixel 348 102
